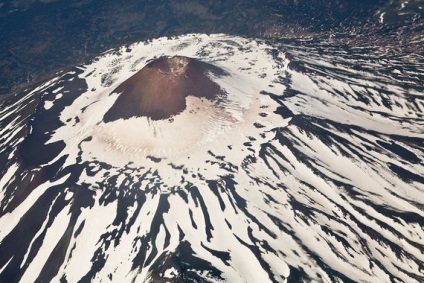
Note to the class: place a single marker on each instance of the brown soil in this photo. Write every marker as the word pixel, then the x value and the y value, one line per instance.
pixel 159 90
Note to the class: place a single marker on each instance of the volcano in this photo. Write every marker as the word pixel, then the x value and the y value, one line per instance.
pixel 210 158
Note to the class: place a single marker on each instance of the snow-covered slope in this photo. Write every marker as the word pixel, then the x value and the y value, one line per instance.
pixel 309 170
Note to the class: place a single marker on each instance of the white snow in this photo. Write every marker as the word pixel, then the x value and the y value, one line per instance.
pixel 331 182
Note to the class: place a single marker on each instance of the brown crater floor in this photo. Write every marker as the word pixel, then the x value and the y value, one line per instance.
pixel 159 90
